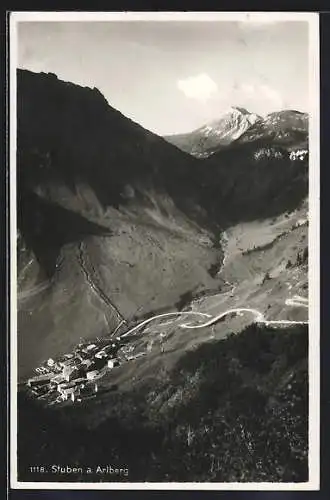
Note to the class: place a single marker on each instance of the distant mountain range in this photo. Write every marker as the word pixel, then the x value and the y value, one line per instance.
pixel 288 128
pixel 148 215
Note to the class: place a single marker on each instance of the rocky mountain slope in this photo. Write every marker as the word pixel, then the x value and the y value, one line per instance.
pixel 221 403
pixel 252 180
pixel 287 128
pixel 203 141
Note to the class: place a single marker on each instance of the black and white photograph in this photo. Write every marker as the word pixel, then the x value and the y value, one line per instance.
pixel 164 211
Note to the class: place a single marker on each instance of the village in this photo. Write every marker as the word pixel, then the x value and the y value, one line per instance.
pixel 73 376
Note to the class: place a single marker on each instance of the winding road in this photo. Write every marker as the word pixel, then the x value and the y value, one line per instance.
pixel 296 301
pixel 165 315
pixel 258 315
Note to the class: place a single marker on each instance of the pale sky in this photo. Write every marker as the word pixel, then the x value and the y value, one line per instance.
pixel 173 77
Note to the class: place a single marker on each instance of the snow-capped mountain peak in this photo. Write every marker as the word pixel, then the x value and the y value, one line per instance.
pixel 232 124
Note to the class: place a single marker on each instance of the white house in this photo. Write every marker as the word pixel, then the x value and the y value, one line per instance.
pixel 113 362
pixel 91 347
pixel 92 374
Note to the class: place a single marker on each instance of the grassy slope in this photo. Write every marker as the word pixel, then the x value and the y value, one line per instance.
pixel 231 410
pixel 153 255
pixel 210 408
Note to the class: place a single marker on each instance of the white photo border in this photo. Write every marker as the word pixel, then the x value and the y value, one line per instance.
pixel 312 19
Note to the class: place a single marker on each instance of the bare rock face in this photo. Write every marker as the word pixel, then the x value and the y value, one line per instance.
pixel 207 139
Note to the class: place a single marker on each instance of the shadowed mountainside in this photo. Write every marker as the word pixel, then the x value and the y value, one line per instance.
pixel 253 180
pixel 149 215
pixel 48 227
pixel 69 133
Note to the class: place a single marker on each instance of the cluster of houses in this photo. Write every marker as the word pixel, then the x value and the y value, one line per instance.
pixel 297 155
pixel 74 375
pixel 268 153
pixel 300 154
